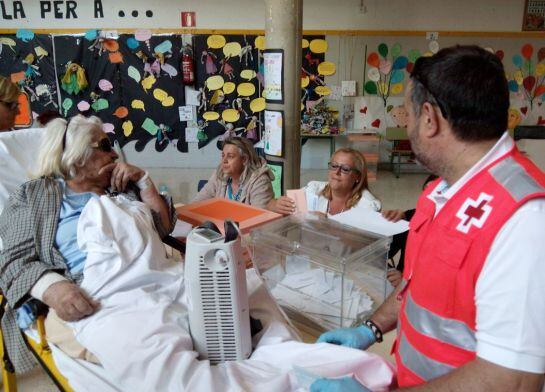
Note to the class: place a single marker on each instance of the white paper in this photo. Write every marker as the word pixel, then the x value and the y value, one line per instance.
pixel 181 229
pixel 348 88
pixel 336 93
pixel 186 113
pixel 191 135
pixel 369 220
pixel 273 133
pixel 192 97
pixel 273 63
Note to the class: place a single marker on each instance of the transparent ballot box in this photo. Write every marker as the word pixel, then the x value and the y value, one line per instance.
pixel 324 274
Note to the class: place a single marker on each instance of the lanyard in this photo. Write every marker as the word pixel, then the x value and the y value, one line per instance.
pixel 236 197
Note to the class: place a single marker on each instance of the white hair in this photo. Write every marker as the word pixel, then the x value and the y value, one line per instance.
pixel 56 161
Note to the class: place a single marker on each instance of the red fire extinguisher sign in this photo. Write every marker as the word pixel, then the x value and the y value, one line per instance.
pixel 188 19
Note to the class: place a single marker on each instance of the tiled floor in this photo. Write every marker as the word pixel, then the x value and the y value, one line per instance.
pixel 393 192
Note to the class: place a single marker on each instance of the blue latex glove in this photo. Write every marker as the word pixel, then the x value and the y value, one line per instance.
pixel 361 337
pixel 345 384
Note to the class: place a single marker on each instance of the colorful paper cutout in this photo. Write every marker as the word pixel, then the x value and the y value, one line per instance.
pixel 138 104
pixel 108 128
pixel 232 49
pixel 216 41
pixel 230 115
pixel 326 68
pixel 257 105
pixel 229 87
pixel 100 104
pixel 83 106
pixel 148 82
pixel 134 74
pixel 318 46
pixel 105 85
pixel 210 116
pixel 247 74
pixel 150 126
pixel 121 112
pixel 322 90
pixel 67 105
pixel 259 42
pixel 246 89
pixel 214 82
pixel 127 128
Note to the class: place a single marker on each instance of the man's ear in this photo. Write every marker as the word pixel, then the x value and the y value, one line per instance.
pixel 430 119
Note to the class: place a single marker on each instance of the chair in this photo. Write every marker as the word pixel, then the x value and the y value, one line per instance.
pixel 201 184
pixel 400 147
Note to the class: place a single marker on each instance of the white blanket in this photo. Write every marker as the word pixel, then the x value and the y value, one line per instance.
pixel 140 334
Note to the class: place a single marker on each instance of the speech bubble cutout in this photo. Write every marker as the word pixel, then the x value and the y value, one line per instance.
pixel 322 90
pixel 168 102
pixel 318 46
pixel 138 104
pixel 121 112
pixel 148 82
pixel 247 74
pixel 169 69
pixel 142 35
pixel 115 57
pixel 134 74
pixel 100 104
pixel 257 105
pixel 259 42
pixel 210 116
pixel 160 95
pixel 91 35
pixel 83 106
pixel 215 41
pixel 304 43
pixel 229 87
pixel 305 80
pixel 40 52
pixel 214 82
pixel 230 115
pixel 105 85
pixel 108 128
pixel 326 68
pixel 67 105
pixel 111 45
pixel 8 42
pixel 246 89
pixel 150 126
pixel 127 128
pixel 132 43
pixel 164 47
pixel 232 49
pixel 25 35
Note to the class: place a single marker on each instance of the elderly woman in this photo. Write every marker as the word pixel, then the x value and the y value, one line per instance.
pixel 9 104
pixel 244 177
pixel 346 187
pixel 41 258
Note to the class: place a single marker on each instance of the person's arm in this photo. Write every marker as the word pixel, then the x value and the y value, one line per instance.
pixel 481 375
pixel 261 192
pixel 123 173
pixel 208 191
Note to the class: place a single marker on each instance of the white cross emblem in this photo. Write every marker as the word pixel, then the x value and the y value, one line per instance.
pixel 474 213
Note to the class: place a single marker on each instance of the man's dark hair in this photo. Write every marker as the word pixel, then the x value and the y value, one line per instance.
pixel 468 85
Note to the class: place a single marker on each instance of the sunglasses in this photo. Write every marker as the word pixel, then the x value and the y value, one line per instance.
pixel 11 105
pixel 103 145
pixel 345 169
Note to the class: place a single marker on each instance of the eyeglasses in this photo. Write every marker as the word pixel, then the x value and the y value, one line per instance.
pixel 103 145
pixel 11 105
pixel 345 169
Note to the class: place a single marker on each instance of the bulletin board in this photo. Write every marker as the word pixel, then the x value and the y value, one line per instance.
pixel 132 84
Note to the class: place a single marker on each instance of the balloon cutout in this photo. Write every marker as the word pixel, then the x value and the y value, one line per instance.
pixel 373 60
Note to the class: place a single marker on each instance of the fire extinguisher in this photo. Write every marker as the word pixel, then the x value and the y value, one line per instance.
pixel 188 68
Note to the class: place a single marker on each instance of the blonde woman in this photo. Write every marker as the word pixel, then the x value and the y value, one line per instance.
pixel 9 104
pixel 346 188
pixel 244 177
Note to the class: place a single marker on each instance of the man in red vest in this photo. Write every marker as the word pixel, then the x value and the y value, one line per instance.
pixel 470 312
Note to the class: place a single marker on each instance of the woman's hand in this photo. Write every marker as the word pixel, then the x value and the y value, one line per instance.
pixel 283 205
pixel 122 173
pixel 393 215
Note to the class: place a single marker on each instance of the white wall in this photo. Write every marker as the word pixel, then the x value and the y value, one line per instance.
pixel 471 15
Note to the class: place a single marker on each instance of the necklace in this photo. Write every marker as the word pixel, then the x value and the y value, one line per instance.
pixel 236 197
pixel 329 209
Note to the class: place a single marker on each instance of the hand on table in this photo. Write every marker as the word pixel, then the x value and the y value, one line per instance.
pixel 283 205
pixel 69 301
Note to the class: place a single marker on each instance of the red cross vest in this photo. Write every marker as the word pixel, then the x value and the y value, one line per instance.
pixel 444 257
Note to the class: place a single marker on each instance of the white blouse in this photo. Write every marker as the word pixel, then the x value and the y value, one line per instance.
pixel 316 202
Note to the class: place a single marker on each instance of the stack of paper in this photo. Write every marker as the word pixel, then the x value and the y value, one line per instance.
pixel 317 292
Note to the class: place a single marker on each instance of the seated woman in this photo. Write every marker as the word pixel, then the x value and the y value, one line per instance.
pixel 244 177
pixel 41 258
pixel 346 188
